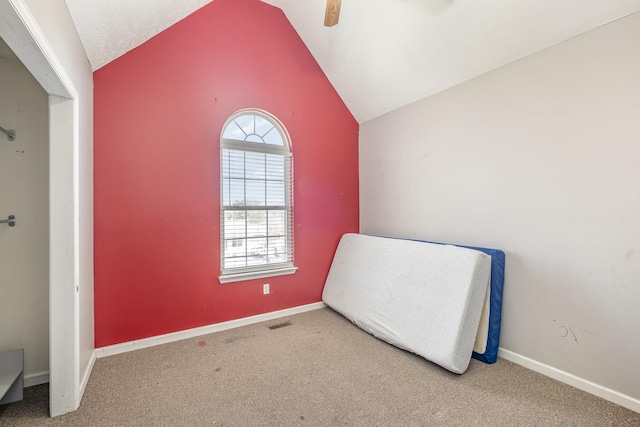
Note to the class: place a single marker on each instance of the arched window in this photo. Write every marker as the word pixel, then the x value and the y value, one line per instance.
pixel 256 197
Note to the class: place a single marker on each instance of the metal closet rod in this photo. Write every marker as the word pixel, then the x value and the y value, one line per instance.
pixel 11 134
pixel 11 221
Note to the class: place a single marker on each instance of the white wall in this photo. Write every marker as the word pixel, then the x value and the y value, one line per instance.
pixel 24 192
pixel 540 158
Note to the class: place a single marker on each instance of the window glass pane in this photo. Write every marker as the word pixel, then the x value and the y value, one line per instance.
pixel 257 251
pixel 256 260
pixel 235 248
pixel 273 138
pixel 226 197
pixel 275 166
pixel 256 193
pixel 236 192
pixel 275 193
pixel 234 225
pixel 255 165
pixel 232 131
pixel 277 223
pixel 235 262
pixel 256 223
pixel 262 126
pixel 225 163
pixel 235 164
pixel 277 249
pixel 246 123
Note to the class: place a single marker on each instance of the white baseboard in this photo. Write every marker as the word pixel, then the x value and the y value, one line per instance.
pixel 203 330
pixel 43 377
pixel 36 379
pixel 567 378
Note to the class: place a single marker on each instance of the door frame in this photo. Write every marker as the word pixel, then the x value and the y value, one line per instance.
pixel 22 33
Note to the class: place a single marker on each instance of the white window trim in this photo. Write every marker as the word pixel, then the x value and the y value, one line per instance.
pixel 258 274
pixel 270 270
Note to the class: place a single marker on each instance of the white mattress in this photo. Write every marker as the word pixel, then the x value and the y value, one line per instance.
pixel 422 297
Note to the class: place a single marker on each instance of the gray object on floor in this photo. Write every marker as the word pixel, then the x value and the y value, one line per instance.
pixel 11 376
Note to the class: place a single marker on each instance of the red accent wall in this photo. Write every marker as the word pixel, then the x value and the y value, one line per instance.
pixel 159 111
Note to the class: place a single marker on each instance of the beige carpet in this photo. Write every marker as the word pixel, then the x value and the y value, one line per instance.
pixel 319 371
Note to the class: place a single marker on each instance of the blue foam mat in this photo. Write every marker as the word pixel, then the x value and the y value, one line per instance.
pixel 495 304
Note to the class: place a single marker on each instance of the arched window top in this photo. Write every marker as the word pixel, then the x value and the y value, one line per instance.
pixel 255 127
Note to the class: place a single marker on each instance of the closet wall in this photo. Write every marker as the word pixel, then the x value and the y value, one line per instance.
pixel 24 192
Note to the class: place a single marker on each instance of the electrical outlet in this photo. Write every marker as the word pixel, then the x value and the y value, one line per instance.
pixel 265 289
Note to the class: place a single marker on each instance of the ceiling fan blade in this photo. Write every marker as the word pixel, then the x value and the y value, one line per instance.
pixel 332 14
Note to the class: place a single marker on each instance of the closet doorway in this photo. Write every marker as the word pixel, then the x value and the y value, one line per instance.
pixel 24 194
pixel 70 358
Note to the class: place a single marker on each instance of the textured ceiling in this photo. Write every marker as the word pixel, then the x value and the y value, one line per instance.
pixel 111 28
pixel 383 54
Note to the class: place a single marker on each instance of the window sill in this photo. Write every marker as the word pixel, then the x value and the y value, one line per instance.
pixel 249 275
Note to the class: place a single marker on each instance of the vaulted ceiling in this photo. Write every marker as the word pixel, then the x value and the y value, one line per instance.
pixel 383 54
